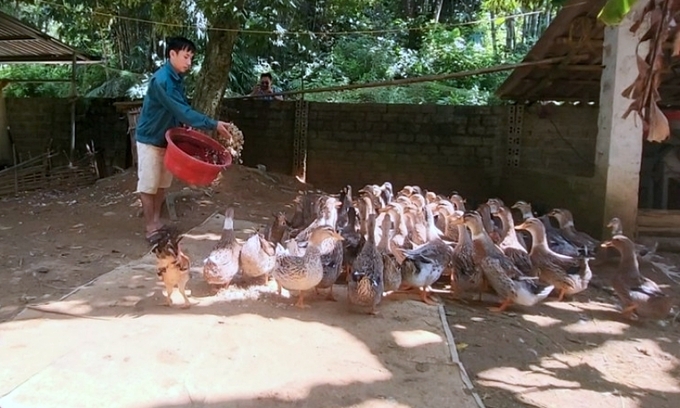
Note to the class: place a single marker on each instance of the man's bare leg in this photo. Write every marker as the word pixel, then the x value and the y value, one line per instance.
pixel 151 221
pixel 158 200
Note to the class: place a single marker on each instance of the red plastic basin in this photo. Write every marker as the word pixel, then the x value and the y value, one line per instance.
pixel 190 156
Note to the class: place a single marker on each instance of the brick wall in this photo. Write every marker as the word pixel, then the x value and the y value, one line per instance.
pixel 34 121
pixel 559 138
pixel 268 131
pixel 442 148
pixel 556 166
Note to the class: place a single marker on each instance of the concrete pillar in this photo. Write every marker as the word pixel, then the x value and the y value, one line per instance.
pixel 619 141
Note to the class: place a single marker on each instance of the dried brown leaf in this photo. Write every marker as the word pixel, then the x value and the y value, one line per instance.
pixel 635 106
pixel 659 129
pixel 643 67
pixel 675 50
pixel 655 19
pixel 639 15
pixel 631 91
pixel 658 62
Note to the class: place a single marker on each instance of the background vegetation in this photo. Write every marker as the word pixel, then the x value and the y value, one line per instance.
pixel 304 43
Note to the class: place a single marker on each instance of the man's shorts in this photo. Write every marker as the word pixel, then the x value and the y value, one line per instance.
pixel 151 170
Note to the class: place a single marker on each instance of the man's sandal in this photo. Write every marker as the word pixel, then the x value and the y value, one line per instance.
pixel 156 235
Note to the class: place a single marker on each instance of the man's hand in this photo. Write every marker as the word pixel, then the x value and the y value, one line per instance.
pixel 222 129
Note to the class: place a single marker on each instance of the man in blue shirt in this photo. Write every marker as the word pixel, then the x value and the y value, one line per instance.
pixel 165 106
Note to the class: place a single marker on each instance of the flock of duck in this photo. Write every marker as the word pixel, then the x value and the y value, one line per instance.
pixel 384 243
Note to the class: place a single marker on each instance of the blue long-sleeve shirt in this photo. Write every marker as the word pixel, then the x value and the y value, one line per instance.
pixel 165 106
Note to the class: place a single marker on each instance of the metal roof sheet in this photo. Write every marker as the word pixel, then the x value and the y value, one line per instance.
pixel 21 43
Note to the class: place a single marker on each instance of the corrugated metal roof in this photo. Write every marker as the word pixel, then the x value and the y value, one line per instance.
pixel 576 34
pixel 21 43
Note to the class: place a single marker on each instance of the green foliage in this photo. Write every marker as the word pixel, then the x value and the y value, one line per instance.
pixel 615 10
pixel 302 51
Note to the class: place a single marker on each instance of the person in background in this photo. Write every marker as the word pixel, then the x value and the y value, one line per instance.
pixel 165 106
pixel 264 89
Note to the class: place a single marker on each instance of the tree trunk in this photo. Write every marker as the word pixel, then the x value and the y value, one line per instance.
pixel 494 34
pixel 438 10
pixel 407 8
pixel 510 34
pixel 214 76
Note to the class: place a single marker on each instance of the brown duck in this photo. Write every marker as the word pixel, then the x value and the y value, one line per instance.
pixel 640 296
pixel 365 285
pixel 569 275
pixel 502 275
pixel 510 243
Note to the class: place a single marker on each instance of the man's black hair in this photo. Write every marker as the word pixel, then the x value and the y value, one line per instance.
pixel 178 44
pixel 266 75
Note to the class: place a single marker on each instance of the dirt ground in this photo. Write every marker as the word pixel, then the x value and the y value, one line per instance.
pixel 572 354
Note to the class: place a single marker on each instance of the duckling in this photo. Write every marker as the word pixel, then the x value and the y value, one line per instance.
pixel 578 238
pixel 220 267
pixel 569 275
pixel 502 275
pixel 430 260
pixel 391 269
pixel 258 257
pixel 301 273
pixel 172 265
pixel 640 297
pixel 365 285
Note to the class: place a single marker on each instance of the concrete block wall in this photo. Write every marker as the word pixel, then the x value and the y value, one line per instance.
pixel 559 139
pixel 268 132
pixel 34 121
pixel 556 169
pixel 442 148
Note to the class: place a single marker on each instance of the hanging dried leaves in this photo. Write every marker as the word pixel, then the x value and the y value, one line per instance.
pixel 645 90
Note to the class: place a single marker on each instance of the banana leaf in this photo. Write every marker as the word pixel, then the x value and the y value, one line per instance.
pixel 614 11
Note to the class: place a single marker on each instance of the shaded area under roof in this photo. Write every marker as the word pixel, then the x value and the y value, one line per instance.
pixel 578 35
pixel 21 43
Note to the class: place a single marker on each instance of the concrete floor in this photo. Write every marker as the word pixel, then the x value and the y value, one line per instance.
pixel 112 344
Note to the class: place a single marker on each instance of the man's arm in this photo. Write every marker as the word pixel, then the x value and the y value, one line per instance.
pixel 176 104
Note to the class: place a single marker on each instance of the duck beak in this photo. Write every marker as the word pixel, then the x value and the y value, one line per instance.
pixel 607 244
pixel 522 226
